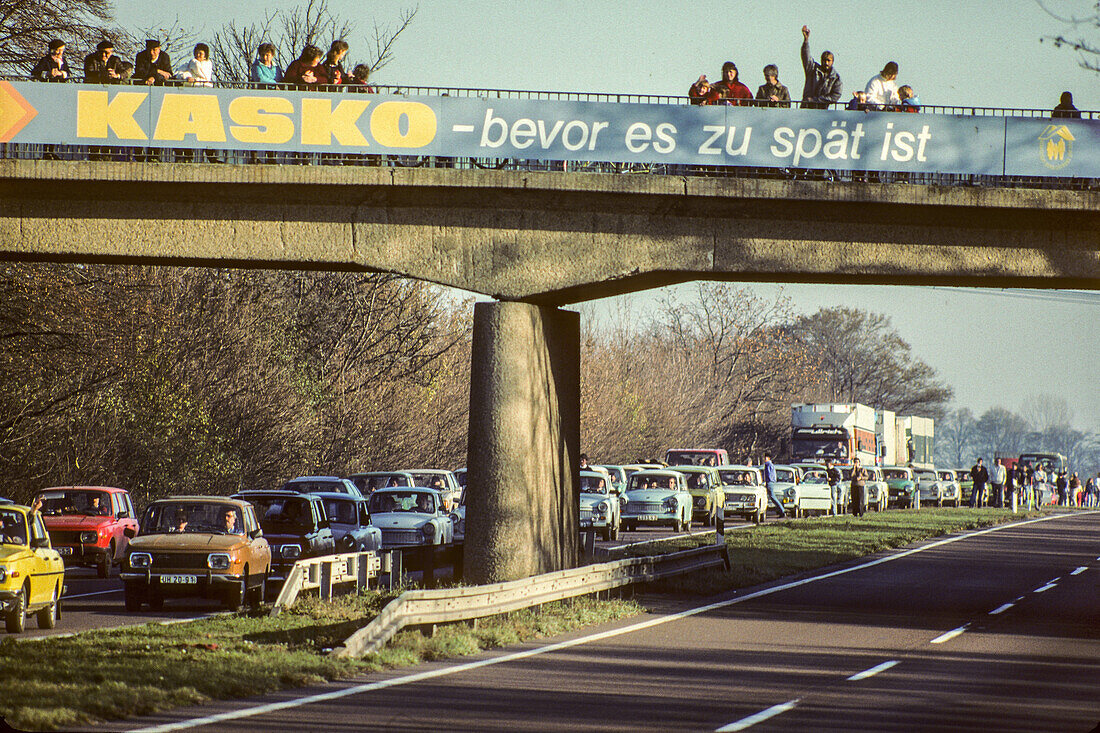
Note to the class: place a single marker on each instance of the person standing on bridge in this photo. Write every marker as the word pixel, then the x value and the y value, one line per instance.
pixel 979 474
pixel 771 93
pixel 997 481
pixel 769 484
pixel 730 90
pixel 882 89
pixel 153 66
pixel 52 66
pixel 1065 108
pixel 823 86
pixel 264 69
pixel 102 67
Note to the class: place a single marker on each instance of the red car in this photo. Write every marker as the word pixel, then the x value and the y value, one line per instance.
pixel 89 525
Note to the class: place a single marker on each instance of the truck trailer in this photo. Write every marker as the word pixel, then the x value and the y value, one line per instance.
pixel 838 431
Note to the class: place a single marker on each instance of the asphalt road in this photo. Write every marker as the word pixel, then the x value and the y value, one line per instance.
pixel 998 630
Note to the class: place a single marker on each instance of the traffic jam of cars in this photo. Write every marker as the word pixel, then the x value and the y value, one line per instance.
pixel 230 549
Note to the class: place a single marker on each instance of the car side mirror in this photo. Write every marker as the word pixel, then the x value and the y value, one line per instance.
pixel 324 524
pixel 124 515
pixel 256 534
pixel 40 543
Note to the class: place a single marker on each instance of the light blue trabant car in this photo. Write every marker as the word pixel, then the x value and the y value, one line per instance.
pixel 952 490
pixel 655 497
pixel 618 477
pixel 410 517
pixel 600 509
pixel 745 496
pixel 932 489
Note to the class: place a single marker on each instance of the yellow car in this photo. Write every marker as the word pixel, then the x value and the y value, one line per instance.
pixel 32 573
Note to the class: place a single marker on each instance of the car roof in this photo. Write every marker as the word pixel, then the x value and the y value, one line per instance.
pixel 737 467
pixel 202 499
pixel 401 489
pixel 693 469
pixel 666 472
pixel 316 478
pixel 275 493
pixel 108 489
pixel 379 473
pixel 333 495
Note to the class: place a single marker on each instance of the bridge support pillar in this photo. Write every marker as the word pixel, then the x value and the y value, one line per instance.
pixel 524 442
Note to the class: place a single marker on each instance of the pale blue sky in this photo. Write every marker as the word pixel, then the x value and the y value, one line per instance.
pixel 978 52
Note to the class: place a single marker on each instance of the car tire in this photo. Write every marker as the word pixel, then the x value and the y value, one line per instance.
pixel 259 593
pixel 16 619
pixel 133 597
pixel 47 617
pixel 103 567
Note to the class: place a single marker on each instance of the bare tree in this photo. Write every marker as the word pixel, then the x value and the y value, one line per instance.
pixel 291 30
pixel 955 436
pixel 1046 412
pixel 1082 17
pixel 27 27
pixel 1000 431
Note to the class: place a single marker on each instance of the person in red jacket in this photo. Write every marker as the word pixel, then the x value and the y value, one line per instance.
pixel 730 90
pixel 306 69
pixel 701 92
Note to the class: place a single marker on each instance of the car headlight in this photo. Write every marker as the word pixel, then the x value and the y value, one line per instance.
pixel 622 501
pixel 428 531
pixel 790 493
pixel 3 573
pixel 217 561
pixel 290 552
pixel 140 559
pixel 89 538
pixel 670 504
pixel 700 501
pixel 603 508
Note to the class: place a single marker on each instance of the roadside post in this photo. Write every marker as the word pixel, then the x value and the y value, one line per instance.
pixel 720 524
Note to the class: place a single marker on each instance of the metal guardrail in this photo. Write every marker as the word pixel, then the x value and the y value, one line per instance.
pixel 322 573
pixel 424 607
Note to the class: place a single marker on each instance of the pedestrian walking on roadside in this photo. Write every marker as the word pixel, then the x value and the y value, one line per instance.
pixel 834 477
pixel 980 476
pixel 997 481
pixel 769 484
pixel 859 488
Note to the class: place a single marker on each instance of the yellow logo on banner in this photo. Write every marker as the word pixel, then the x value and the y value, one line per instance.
pixel 1056 146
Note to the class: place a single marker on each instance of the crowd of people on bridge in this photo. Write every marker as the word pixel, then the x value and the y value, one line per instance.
pixel 822 89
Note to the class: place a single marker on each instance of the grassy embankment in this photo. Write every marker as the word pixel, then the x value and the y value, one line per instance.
pixel 62 683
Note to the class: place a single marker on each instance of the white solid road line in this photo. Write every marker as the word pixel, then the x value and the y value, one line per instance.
pixel 873 671
pixel 97 593
pixel 950 634
pixel 1002 609
pixel 600 636
pixel 1079 570
pixel 758 717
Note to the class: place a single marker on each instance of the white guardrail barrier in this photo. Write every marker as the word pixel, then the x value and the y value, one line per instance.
pixel 424 607
pixel 322 573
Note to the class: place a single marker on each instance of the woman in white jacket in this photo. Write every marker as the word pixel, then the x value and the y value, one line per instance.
pixel 200 70
pixel 882 90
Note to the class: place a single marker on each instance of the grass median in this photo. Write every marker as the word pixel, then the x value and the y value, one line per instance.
pixel 58 684
pixel 777 550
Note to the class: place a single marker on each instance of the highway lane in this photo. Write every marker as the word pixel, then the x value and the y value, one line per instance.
pixel 868 648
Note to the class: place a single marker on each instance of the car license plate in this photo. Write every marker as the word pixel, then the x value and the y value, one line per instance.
pixel 64 550
pixel 586 522
pixel 179 579
pixel 648 518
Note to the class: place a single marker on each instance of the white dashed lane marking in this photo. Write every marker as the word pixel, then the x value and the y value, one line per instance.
pixel 1002 609
pixel 873 671
pixel 950 634
pixel 1079 570
pixel 758 717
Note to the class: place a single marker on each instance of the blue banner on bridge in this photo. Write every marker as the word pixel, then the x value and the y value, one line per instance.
pixel 351 123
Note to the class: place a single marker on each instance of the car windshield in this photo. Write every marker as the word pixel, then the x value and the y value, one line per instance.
pixel 817 448
pixel 191 517
pixel 737 478
pixel 896 473
pixel 283 513
pixel 815 476
pixel 785 474
pixel 14 527
pixel 330 486
pixel 594 484
pixel 369 484
pixel 947 475
pixel 76 502
pixel 341 511
pixel 638 482
pixel 691 458
pixel 382 502
pixel 431 480
pixel 697 481
pixel 926 476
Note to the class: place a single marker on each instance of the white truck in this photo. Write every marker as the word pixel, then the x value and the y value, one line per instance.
pixel 915 434
pixel 838 431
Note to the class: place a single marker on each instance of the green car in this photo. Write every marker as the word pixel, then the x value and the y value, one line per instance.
pixel 705 486
pixel 902 486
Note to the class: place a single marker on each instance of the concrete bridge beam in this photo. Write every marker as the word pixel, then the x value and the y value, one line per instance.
pixel 524 443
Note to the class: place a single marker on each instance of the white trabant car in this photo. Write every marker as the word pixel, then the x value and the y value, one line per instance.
pixel 600 509
pixel 743 488
pixel 656 497
pixel 816 477
pixel 798 498
pixel 439 479
pixel 410 517
pixel 929 486
pixel 952 490
pixel 618 477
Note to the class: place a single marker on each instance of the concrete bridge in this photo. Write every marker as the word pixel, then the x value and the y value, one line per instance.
pixel 536 241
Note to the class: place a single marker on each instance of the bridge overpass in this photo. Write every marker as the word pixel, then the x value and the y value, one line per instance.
pixel 536 241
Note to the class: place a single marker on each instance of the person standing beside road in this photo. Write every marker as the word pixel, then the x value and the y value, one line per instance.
pixel 1061 485
pixel 769 484
pixel 859 488
pixel 980 476
pixel 823 86
pixel 997 481
pixel 834 477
